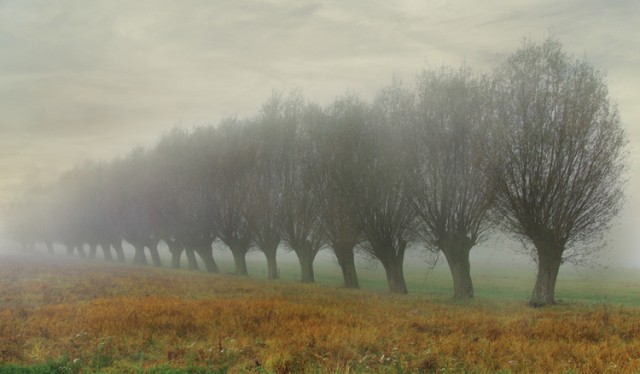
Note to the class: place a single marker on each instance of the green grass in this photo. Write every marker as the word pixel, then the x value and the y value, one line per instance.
pixel 609 286
pixel 492 282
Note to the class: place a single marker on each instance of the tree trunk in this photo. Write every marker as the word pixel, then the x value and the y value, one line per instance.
pixel 49 245
pixel 394 268
pixel 117 246
pixel 346 260
pixel 191 258
pixel 272 263
pixel 139 258
pixel 306 269
pixel 458 260
pixel 106 249
pixel 206 254
pixel 80 249
pixel 395 276
pixel 239 258
pixel 153 250
pixel 93 249
pixel 176 253
pixel 305 258
pixel 549 261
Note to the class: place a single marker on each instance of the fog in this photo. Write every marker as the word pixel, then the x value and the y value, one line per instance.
pixel 90 80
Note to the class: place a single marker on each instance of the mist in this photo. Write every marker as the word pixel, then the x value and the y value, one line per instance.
pixel 91 81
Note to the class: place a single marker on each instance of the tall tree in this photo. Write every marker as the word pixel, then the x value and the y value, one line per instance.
pixel 337 134
pixel 110 229
pixel 170 179
pixel 302 229
pixel 197 201
pixel 561 157
pixel 266 199
pixel 385 214
pixel 134 206
pixel 94 200
pixel 235 162
pixel 451 191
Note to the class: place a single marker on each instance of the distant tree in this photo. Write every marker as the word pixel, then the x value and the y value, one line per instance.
pixel 110 233
pixel 94 204
pixel 234 165
pixel 86 195
pixel 197 200
pixel 182 185
pixel 451 190
pixel 134 205
pixel 172 180
pixel 385 214
pixel 560 157
pixel 26 218
pixel 71 194
pixel 266 199
pixel 302 229
pixel 40 216
pixel 337 133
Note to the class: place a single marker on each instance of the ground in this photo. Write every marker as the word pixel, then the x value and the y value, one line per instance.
pixel 72 315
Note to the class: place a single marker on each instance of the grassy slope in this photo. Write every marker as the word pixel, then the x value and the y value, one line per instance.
pixel 98 316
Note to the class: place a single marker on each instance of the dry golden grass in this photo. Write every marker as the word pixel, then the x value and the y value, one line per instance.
pixel 121 318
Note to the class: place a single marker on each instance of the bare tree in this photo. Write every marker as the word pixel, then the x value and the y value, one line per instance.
pixel 171 181
pixel 110 233
pixel 561 157
pixel 302 229
pixel 134 205
pixel 337 134
pixel 266 195
pixel 197 201
pixel 87 193
pixel 75 199
pixel 451 191
pixel 385 214
pixel 235 162
pixel 95 202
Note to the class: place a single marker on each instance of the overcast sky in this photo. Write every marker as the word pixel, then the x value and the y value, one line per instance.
pixel 91 79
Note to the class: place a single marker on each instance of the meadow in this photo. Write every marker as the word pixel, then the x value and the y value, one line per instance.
pixel 71 315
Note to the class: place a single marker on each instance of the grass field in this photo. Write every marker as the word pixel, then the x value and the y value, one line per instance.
pixel 71 315
pixel 513 282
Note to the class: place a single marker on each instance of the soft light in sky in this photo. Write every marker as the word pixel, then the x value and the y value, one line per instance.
pixel 91 79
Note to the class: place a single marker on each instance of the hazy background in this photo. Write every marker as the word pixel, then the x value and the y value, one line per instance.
pixel 91 79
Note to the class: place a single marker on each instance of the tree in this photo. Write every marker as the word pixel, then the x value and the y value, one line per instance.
pixel 560 149
pixel 29 219
pixel 385 214
pixel 134 205
pixel 302 229
pixel 110 232
pixel 235 162
pixel 337 133
pixel 76 209
pixel 171 178
pixel 197 200
pixel 451 191
pixel 266 196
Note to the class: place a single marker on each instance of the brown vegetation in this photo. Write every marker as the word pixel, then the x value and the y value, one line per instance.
pixel 123 318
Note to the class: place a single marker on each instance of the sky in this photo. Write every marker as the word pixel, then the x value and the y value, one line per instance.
pixel 89 80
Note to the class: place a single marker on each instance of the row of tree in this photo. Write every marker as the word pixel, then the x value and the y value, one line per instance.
pixel 535 148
